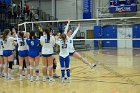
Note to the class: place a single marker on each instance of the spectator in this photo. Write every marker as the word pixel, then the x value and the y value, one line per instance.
pixel 27 8
pixel 18 11
pixel 36 17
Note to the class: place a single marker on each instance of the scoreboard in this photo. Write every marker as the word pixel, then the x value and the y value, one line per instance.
pixel 121 6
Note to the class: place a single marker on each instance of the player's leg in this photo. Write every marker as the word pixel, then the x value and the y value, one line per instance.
pixel 10 61
pixel 44 67
pixel 1 65
pixel 54 68
pixel 78 56
pixel 20 67
pixel 37 67
pixel 62 68
pixel 50 68
pixel 28 67
pixel 31 59
pixel 67 66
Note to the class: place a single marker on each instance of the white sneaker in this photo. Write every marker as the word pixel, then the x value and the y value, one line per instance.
pixel 92 66
pixel 28 76
pixel 55 75
pixel 32 79
pixel 2 74
pixel 68 80
pixel 47 77
pixel 21 77
pixel 44 78
pixel 51 80
pixel 5 76
pixel 37 78
pixel 63 80
pixel 10 78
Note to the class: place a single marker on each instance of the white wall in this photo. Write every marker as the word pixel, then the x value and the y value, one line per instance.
pixel 67 9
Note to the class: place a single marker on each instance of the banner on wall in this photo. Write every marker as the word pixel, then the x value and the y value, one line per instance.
pixel 119 6
pixel 87 9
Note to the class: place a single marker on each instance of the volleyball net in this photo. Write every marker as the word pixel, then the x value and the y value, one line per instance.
pixel 120 32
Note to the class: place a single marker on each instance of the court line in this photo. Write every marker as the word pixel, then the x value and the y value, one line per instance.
pixel 132 82
pixel 106 81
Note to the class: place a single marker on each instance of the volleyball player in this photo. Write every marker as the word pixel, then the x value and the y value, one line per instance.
pixel 64 56
pixel 47 41
pixel 54 60
pixel 70 37
pixel 23 55
pixel 1 57
pixel 33 53
pixel 8 42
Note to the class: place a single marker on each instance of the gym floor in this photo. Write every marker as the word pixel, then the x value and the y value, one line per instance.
pixel 117 71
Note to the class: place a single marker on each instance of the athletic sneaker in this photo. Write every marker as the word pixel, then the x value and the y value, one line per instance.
pixel 55 75
pixel 10 78
pixel 65 77
pixel 44 78
pixel 47 77
pixel 5 76
pixel 63 80
pixel 21 77
pixel 32 79
pixel 37 78
pixel 51 80
pixel 68 80
pixel 92 66
pixel 28 76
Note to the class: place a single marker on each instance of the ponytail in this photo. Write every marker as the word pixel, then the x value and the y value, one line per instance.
pixel 63 37
pixel 21 34
pixel 32 35
pixel 5 34
pixel 48 34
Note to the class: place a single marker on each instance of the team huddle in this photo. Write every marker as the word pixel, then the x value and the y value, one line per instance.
pixel 29 51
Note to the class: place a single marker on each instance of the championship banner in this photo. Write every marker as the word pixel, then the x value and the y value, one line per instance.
pixel 87 9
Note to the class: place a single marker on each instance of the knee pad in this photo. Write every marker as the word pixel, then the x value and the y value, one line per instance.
pixel 62 69
pixel 67 69
pixel 54 66
pixel 37 71
pixel 20 67
pixel 28 67
pixel 10 65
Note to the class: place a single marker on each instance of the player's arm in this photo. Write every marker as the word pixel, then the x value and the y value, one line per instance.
pixel 75 31
pixel 53 40
pixel 67 26
pixel 13 40
pixel 41 41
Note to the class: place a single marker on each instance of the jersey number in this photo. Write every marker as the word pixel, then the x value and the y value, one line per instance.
pixel 64 46
pixel 22 43
pixel 32 43
pixel 47 41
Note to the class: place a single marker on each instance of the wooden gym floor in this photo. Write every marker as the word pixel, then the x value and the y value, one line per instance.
pixel 117 71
